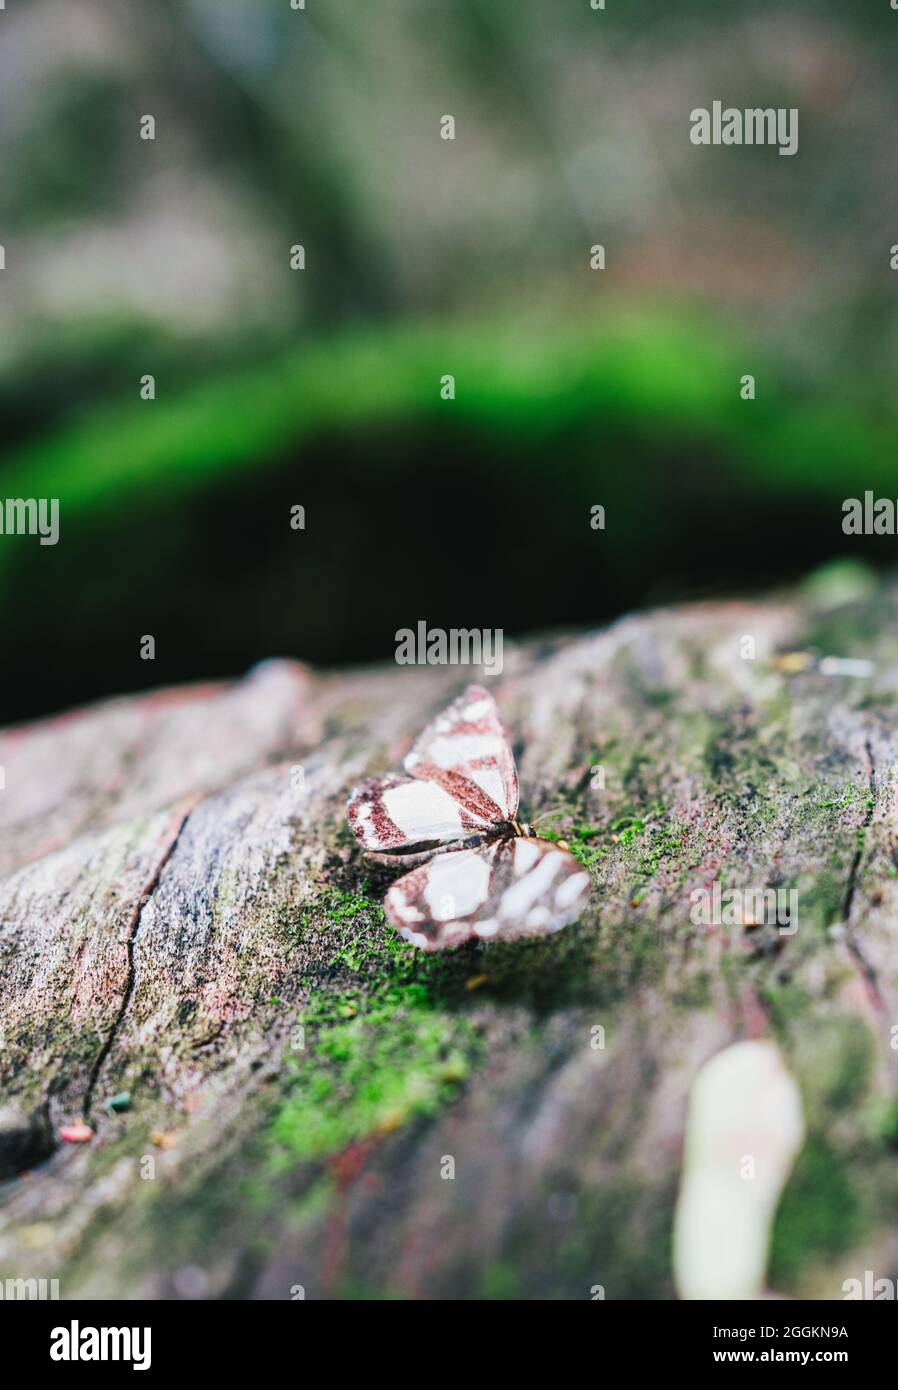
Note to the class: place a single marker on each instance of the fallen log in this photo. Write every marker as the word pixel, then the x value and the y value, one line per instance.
pixel 268 1095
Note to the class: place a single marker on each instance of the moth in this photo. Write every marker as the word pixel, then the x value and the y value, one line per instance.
pixel 488 875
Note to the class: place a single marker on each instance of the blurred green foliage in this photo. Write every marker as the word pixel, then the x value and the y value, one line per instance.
pixel 648 371
pixel 424 257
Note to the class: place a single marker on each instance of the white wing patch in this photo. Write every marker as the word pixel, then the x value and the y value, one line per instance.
pixel 467 750
pixel 453 751
pixel 517 900
pixel 506 889
pixel 568 892
pixel 526 853
pixel 391 815
pixel 415 806
pixel 457 885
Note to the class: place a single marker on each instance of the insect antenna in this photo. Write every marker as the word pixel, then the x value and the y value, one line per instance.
pixel 544 815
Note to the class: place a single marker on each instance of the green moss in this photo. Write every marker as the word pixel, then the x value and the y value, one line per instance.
pixel 851 1057
pixel 578 842
pixel 663 845
pixel 884 1123
pixel 620 834
pixel 837 583
pixel 381 1040
pixel 620 1240
pixel 587 855
pixel 787 1003
pixel 846 798
pixel 627 828
pixel 660 364
pixel 695 993
pixel 500 1281
pixel 819 1214
pixel 346 907
pixel 833 1058
pixel 368 1072
pixel 821 894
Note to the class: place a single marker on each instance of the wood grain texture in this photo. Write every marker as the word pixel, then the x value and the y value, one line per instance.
pixel 180 921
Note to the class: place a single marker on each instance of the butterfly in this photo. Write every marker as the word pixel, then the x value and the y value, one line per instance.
pixel 488 874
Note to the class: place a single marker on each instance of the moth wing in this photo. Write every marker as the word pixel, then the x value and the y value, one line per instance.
pixel 395 815
pixel 467 751
pixel 501 891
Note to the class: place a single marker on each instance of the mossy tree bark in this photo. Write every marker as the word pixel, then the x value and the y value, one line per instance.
pixel 184 919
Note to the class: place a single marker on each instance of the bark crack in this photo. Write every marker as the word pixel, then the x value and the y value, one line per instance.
pixel 179 821
pixel 859 852
pixel 867 971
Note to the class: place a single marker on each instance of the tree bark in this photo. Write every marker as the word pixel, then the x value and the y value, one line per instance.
pixel 287 1100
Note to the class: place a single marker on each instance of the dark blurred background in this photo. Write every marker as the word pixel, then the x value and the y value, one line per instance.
pixel 321 387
